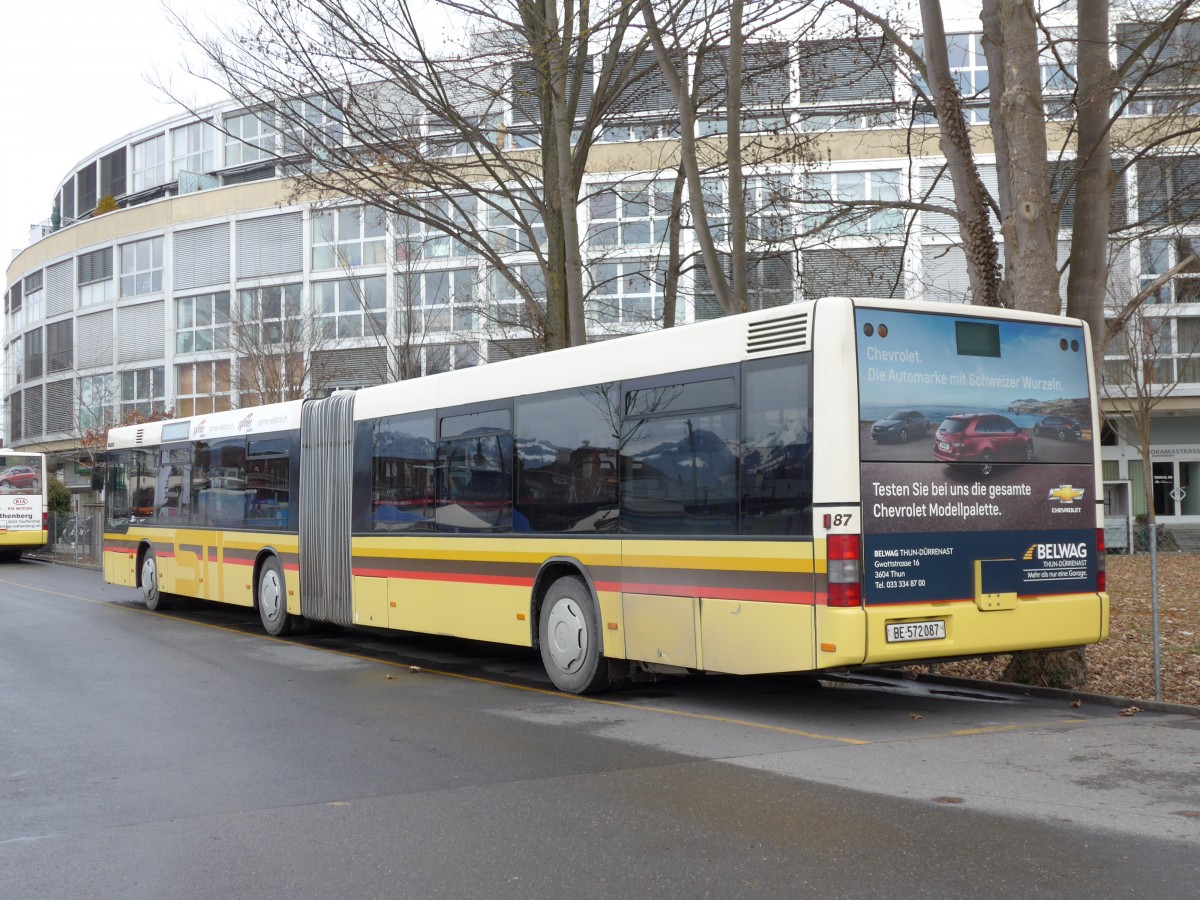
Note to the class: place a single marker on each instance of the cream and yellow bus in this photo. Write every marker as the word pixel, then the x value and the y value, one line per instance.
pixel 23 503
pixel 825 485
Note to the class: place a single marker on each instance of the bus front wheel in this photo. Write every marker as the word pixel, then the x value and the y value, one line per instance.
pixel 569 637
pixel 152 594
pixel 272 599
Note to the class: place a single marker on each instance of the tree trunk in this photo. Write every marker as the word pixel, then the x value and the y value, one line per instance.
pixel 1031 226
pixel 689 160
pixel 1088 280
pixel 733 162
pixel 970 195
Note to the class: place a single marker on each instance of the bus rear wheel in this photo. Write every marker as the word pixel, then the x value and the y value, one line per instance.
pixel 152 594
pixel 569 637
pixel 272 599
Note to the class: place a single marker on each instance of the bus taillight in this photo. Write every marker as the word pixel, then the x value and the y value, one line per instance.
pixel 1101 579
pixel 842 552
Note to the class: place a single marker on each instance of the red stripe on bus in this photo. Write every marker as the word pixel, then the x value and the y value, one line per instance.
pixel 716 593
pixel 501 580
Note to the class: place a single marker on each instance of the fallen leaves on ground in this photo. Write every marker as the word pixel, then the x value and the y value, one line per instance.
pixel 1124 664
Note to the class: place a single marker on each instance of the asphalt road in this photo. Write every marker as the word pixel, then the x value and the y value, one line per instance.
pixel 187 755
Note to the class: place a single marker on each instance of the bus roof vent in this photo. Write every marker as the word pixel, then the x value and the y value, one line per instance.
pixel 141 433
pixel 785 333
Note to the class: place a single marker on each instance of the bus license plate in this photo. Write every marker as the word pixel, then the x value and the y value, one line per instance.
pixel 916 631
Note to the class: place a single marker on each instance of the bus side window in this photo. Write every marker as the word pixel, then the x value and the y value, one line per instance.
pixel 776 463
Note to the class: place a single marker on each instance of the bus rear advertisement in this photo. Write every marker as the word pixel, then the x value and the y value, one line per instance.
pixel 819 486
pixel 23 502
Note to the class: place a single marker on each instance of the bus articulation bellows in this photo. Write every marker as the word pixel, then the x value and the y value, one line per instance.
pixel 711 498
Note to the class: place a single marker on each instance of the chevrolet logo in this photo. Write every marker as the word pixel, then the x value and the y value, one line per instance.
pixel 1065 493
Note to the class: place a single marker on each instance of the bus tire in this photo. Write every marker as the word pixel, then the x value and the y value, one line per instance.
pixel 271 599
pixel 152 594
pixel 569 637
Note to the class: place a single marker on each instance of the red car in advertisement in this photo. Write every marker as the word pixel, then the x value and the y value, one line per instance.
pixel 20 477
pixel 984 438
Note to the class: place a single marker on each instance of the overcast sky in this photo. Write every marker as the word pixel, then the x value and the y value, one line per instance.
pixel 75 76
pixel 75 79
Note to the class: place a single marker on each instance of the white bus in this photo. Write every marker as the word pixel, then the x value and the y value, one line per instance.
pixel 819 486
pixel 23 505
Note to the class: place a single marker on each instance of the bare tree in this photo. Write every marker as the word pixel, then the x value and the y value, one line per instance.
pixel 1148 355
pixel 721 61
pixel 369 108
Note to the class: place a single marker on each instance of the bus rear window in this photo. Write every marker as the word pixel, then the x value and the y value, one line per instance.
pixel 977 339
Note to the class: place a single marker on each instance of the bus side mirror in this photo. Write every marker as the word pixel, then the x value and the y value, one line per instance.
pixel 98 472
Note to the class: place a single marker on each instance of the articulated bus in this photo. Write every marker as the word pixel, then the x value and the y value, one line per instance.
pixel 826 485
pixel 23 503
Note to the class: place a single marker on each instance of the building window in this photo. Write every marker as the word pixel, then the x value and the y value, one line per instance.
pixel 250 138
pixel 1187 345
pixel 16 361
pixel 436 302
pixel 95 276
pixel 968 67
pixel 349 237
pixel 314 123
pixel 1159 256
pixel 351 308
pixel 203 388
pixel 768 208
pixel 518 229
pixel 95 402
pixel 34 355
pixel 827 194
pixel 142 267
pixel 142 392
pixel 628 215
pixel 640 130
pixel 269 316
pixel 86 182
pixel 35 298
pixel 149 163
pixel 420 240
pixel 202 323
pixel 509 307
pixel 626 293
pixel 192 149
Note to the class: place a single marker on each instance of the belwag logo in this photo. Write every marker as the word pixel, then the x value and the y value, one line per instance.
pixel 1057 551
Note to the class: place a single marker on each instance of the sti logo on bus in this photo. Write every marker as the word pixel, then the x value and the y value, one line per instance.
pixel 1057 551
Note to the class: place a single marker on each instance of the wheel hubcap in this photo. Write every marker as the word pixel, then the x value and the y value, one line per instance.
pixel 567 635
pixel 149 578
pixel 269 595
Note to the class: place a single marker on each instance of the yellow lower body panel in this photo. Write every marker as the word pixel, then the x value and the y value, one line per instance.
pixel 14 539
pixel 493 613
pixel 1040 623
pixel 745 638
